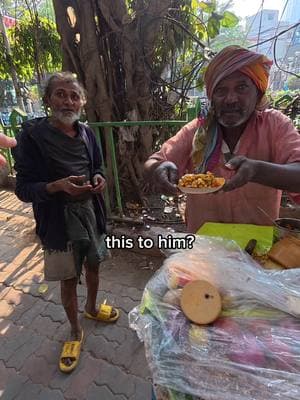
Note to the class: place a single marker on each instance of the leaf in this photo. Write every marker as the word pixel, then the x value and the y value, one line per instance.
pixel 24 45
pixel 216 16
pixel 229 20
pixel 200 82
pixel 208 6
pixel 200 30
pixel 186 69
pixel 213 27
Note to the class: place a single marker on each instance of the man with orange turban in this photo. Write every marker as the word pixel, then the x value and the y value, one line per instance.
pixel 256 150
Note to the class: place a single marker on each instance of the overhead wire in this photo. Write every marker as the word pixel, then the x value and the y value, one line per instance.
pixel 275 59
pixel 250 26
pixel 285 56
pixel 260 21
pixel 278 25
pixel 275 36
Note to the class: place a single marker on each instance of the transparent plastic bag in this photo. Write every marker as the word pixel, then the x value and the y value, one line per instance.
pixel 251 352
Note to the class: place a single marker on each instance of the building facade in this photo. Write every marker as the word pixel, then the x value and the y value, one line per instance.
pixel 285 51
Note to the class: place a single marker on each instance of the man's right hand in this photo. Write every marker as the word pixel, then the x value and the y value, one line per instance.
pixel 165 178
pixel 6 143
pixel 73 185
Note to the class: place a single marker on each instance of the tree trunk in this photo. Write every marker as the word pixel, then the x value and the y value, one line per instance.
pixel 111 51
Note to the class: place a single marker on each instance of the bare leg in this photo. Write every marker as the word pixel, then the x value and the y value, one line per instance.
pixel 92 283
pixel 69 302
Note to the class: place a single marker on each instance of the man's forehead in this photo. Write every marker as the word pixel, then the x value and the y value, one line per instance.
pixel 235 77
pixel 67 86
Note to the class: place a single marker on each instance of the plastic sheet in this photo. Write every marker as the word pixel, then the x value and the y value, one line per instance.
pixel 251 352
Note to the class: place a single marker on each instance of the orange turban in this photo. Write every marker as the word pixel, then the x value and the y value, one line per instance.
pixel 235 58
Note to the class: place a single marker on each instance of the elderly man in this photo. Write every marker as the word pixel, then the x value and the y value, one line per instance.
pixel 59 170
pixel 256 150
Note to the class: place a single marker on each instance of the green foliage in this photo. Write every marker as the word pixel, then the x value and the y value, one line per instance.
pixel 287 101
pixel 229 36
pixel 4 66
pixel 213 26
pixel 229 20
pixel 294 83
pixel 275 97
pixel 207 6
pixel 204 20
pixel 32 41
pixel 8 7
pixel 45 9
pixel 16 9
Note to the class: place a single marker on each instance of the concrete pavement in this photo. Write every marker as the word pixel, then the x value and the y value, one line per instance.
pixel 33 325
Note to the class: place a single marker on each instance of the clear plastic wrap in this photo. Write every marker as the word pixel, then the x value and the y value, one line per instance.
pixel 252 352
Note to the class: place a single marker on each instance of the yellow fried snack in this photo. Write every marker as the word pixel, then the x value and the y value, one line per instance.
pixel 207 180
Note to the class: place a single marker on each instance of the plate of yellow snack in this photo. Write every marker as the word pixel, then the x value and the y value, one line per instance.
pixel 200 183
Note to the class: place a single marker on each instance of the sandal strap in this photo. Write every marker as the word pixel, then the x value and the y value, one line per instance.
pixel 70 349
pixel 105 311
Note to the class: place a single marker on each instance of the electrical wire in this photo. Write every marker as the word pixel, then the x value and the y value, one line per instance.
pixel 275 36
pixel 250 26
pixel 275 59
pixel 159 81
pixel 285 56
pixel 260 20
pixel 283 11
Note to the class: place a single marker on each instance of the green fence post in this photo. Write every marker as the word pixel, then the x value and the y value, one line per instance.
pixel 115 169
pixel 8 132
pixel 111 145
pixel 16 117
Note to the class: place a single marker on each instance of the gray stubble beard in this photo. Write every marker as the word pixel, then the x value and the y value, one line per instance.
pixel 66 119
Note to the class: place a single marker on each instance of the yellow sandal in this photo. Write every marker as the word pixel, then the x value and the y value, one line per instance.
pixel 71 350
pixel 104 314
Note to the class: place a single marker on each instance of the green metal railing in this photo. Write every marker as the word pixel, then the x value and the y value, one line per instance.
pixel 108 131
pixel 17 116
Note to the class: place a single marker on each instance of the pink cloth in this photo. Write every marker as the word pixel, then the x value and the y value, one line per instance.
pixel 269 136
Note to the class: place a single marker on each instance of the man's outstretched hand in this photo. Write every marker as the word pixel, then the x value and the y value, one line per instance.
pixel 165 178
pixel 245 171
pixel 6 143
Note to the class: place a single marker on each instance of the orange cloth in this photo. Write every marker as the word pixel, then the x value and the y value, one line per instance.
pixel 259 73
pixel 235 58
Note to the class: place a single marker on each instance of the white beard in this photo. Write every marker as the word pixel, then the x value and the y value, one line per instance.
pixel 67 118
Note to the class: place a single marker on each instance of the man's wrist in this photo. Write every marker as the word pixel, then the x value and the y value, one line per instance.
pixel 53 187
pixel 257 173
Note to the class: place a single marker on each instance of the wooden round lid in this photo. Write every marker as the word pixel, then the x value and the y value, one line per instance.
pixel 200 302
